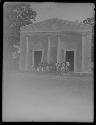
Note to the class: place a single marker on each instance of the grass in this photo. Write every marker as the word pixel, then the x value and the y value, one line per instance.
pixel 47 97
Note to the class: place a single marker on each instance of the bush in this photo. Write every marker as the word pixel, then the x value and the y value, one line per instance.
pixel 62 67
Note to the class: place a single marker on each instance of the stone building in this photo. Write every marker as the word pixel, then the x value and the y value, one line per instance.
pixel 55 40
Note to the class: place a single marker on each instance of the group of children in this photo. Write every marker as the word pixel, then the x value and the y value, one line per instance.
pixel 59 67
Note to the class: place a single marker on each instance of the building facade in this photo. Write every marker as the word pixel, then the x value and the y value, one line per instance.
pixel 56 40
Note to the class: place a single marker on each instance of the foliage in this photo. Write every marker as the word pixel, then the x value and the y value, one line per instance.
pixel 62 67
pixel 15 16
pixel 89 21
pixel 18 14
pixel 23 15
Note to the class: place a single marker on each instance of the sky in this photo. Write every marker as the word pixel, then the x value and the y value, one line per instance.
pixel 66 11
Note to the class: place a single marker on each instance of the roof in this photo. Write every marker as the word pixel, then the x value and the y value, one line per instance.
pixel 55 24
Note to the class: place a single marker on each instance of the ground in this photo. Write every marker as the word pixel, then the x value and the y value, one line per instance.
pixel 41 97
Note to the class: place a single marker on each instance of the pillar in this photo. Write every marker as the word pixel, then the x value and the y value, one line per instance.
pixel 83 42
pixel 86 51
pixel 58 49
pixel 89 40
pixel 22 52
pixel 26 59
pixel 48 51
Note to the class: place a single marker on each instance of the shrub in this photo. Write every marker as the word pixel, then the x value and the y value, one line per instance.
pixel 62 67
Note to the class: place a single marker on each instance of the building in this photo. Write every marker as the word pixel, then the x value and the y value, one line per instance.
pixel 56 40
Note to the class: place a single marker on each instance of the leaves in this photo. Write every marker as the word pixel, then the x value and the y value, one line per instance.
pixel 89 21
pixel 24 15
pixel 16 15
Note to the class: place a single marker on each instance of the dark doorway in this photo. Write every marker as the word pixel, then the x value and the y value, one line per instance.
pixel 37 58
pixel 70 59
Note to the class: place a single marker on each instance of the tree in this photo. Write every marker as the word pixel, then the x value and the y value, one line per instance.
pixel 24 15
pixel 15 16
pixel 89 21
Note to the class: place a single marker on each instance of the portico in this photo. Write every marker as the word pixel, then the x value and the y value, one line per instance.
pixel 53 44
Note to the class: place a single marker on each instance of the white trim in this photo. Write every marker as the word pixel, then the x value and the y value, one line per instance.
pixel 83 72
pixel 33 55
pixel 27 46
pixel 45 31
pixel 74 56
pixel 64 54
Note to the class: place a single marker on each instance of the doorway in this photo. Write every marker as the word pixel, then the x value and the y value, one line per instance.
pixel 37 57
pixel 70 57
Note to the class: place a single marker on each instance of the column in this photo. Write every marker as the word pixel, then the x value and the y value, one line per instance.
pixel 83 39
pixel 48 51
pixel 22 53
pixel 26 60
pixel 89 40
pixel 58 49
pixel 20 57
pixel 86 51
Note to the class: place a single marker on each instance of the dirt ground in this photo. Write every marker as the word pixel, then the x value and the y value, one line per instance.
pixel 31 96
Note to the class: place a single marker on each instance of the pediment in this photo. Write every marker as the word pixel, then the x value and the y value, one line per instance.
pixel 56 24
